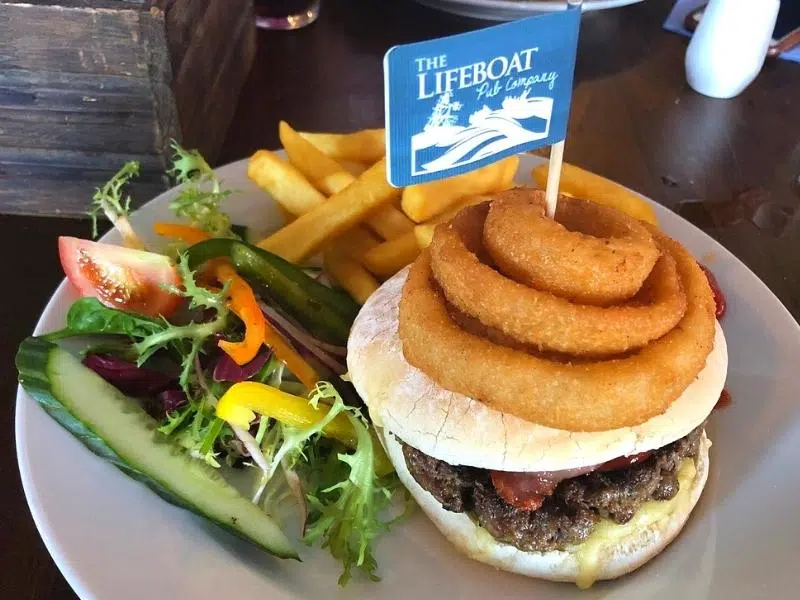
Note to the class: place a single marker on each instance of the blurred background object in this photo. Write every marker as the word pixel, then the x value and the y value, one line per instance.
pixel 506 10
pixel 729 46
pixel 285 14
pixel 87 85
pixel 686 15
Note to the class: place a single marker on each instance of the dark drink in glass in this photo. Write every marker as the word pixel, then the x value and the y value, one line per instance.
pixel 285 14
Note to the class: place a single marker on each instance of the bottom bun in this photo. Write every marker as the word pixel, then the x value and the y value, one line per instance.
pixel 622 550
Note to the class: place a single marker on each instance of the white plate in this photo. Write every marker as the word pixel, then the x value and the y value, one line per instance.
pixel 114 539
pixel 507 10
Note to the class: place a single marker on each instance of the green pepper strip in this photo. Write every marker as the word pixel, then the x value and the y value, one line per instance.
pixel 326 313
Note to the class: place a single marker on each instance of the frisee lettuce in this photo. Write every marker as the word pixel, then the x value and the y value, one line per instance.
pixel 289 445
pixel 176 420
pixel 108 200
pixel 194 334
pixel 200 205
pixel 350 500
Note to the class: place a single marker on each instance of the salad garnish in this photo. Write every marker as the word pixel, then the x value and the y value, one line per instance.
pixel 198 203
pixel 108 201
pixel 237 355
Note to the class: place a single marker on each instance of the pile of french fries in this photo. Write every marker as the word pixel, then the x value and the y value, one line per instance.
pixel 335 196
pixel 334 193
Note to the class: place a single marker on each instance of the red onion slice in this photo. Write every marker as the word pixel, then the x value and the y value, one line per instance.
pixel 226 368
pixel 298 334
pixel 305 344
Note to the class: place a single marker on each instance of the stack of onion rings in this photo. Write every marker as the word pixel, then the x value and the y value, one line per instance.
pixel 523 348
pixel 582 255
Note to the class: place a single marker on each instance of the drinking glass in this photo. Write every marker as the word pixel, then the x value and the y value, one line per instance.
pixel 285 14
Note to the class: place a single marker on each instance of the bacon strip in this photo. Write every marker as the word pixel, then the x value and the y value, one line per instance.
pixel 527 491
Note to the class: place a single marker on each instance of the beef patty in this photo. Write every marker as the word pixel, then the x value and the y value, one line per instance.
pixel 570 514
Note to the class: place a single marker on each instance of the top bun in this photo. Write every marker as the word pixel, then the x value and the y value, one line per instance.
pixel 463 431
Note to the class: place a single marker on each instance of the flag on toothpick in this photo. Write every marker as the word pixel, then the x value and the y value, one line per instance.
pixel 457 103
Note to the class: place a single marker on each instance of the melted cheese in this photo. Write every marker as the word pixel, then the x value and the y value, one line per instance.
pixel 607 534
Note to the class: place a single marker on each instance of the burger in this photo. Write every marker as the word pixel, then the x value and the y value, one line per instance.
pixel 542 385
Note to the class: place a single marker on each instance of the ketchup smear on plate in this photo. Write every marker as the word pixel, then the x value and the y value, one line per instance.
pixel 719 298
pixel 724 401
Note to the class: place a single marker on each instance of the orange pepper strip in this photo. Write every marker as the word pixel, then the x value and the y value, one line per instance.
pixel 188 234
pixel 185 233
pixel 285 353
pixel 243 303
pixel 258 330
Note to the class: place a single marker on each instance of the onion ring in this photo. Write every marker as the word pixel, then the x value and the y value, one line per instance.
pixel 540 318
pixel 589 254
pixel 593 396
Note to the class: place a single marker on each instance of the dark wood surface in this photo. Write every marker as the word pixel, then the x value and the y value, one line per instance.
pixel 211 46
pixel 730 166
pixel 88 85
pixel 75 83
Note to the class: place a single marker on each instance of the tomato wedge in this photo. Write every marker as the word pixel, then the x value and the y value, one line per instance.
pixel 121 278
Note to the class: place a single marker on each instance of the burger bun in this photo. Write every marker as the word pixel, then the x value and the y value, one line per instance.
pixel 463 431
pixel 615 557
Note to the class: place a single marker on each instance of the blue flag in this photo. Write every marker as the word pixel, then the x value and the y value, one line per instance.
pixel 457 103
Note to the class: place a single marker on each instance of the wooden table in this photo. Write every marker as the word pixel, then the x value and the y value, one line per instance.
pixel 730 166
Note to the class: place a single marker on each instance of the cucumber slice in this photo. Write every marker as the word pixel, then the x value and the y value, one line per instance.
pixel 117 429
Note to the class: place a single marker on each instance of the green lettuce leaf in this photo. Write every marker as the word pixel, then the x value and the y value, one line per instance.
pixel 88 316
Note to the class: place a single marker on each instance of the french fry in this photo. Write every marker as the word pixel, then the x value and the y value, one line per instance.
pixel 389 222
pixel 351 276
pixel 365 146
pixel 388 258
pixel 322 171
pixel 329 177
pixel 305 235
pixel 354 168
pixel 287 216
pixel 285 183
pixel 356 242
pixel 584 184
pixel 508 174
pixel 296 196
pixel 424 231
pixel 426 200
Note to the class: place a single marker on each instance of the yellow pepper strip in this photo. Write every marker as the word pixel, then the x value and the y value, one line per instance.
pixel 185 233
pixel 240 403
pixel 242 400
pixel 243 303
